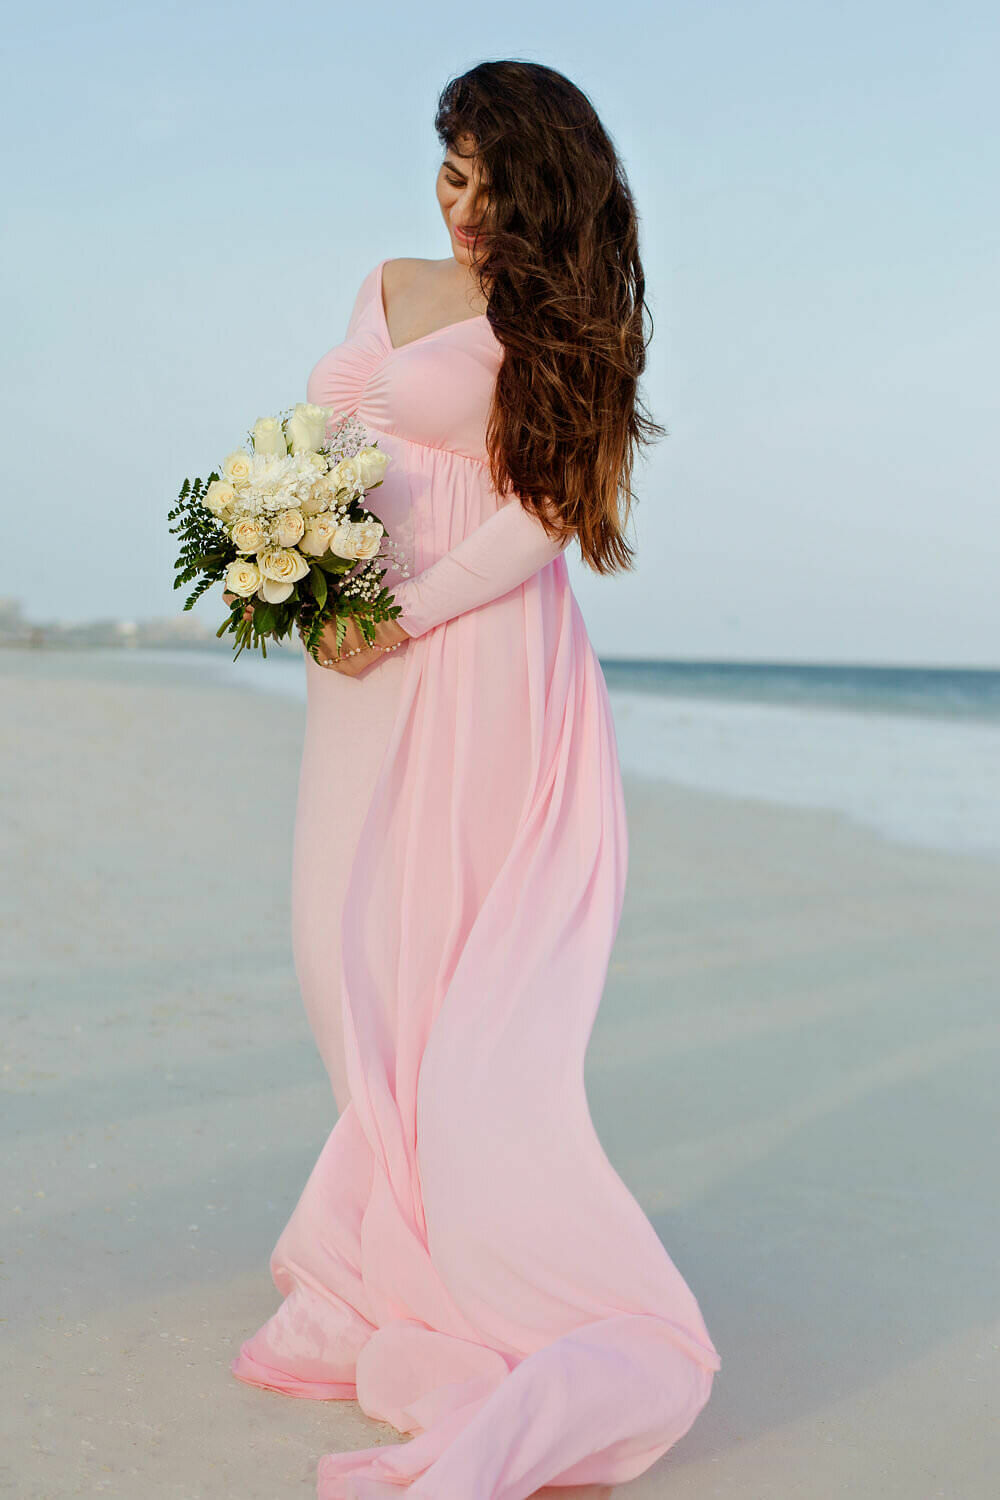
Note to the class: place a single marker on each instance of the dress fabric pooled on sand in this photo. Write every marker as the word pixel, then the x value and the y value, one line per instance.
pixel 463 1259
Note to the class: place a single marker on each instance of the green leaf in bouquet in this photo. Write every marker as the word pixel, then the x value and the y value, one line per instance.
pixel 334 564
pixel 263 616
pixel 192 599
pixel 319 588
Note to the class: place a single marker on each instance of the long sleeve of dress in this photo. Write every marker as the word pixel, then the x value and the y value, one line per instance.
pixel 498 556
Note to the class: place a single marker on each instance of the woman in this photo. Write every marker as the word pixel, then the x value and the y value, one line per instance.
pixel 463 1258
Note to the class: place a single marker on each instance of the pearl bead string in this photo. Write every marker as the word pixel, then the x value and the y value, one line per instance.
pixel 329 660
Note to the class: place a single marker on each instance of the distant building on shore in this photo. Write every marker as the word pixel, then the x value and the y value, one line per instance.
pixel 178 632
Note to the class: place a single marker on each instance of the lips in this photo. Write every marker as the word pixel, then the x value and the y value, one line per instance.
pixel 466 232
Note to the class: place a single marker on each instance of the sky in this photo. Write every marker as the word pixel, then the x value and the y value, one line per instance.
pixel 193 194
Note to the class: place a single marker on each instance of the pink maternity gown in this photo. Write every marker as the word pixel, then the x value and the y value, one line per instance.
pixel 463 1259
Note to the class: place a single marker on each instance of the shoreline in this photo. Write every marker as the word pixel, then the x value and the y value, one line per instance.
pixel 920 780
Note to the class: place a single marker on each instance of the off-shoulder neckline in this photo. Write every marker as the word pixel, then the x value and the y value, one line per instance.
pixel 432 333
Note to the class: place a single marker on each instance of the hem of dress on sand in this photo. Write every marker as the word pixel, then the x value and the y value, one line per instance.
pixel 285 1385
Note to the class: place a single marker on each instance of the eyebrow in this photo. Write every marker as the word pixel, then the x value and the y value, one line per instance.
pixel 447 162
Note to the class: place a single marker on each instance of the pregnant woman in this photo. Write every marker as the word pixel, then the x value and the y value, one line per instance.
pixel 463 1259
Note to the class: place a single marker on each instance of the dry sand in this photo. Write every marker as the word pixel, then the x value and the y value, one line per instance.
pixel 794 1068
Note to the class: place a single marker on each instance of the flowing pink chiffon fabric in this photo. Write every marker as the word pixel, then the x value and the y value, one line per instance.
pixel 464 1260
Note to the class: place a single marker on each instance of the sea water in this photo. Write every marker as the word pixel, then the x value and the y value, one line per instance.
pixel 912 752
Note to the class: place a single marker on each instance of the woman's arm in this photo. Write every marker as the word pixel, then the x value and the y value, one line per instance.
pixel 489 562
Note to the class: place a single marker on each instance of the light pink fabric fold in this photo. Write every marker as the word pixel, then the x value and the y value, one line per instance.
pixel 463 1258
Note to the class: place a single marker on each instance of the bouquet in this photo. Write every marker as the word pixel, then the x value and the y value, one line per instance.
pixel 284 524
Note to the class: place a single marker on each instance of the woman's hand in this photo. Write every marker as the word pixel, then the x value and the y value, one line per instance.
pixel 355 654
pixel 230 599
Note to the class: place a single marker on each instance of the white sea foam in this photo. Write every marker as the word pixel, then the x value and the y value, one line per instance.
pixel 933 782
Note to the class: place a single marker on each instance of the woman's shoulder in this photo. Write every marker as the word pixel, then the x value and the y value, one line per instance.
pixel 409 271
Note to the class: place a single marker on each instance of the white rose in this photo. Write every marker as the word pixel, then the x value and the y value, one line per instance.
pixel 347 474
pixel 373 464
pixel 288 527
pixel 317 499
pixel 318 534
pixel 343 541
pixel 368 539
pixel 282 564
pixel 306 427
pixel 248 536
pixel 269 438
pixel 272 592
pixel 280 568
pixel 359 539
pixel 237 467
pixel 219 498
pixel 242 577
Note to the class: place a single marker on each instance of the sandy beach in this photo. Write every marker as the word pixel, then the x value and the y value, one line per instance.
pixel 794 1069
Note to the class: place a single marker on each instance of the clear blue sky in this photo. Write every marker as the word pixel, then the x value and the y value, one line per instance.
pixel 194 192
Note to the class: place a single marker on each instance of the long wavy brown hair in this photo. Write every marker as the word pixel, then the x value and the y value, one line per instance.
pixel 557 259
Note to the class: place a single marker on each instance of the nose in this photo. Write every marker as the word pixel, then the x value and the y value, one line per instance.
pixel 468 210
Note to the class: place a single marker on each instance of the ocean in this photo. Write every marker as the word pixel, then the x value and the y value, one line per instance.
pixel 911 752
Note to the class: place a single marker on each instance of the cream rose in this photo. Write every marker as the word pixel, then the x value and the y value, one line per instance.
pixel 342 542
pixel 318 534
pixel 242 577
pixel 317 499
pixel 306 427
pixel 288 527
pixel 282 564
pixel 269 438
pixel 358 539
pixel 248 536
pixel 280 568
pixel 367 539
pixel 219 498
pixel 237 467
pixel 347 474
pixel 372 466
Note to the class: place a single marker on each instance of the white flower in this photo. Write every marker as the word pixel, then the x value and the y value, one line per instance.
pixel 347 475
pixel 306 427
pixel 318 534
pixel 247 535
pixel 269 438
pixel 219 498
pixel 236 467
pixel 342 541
pixel 276 484
pixel 372 464
pixel 242 577
pixel 368 539
pixel 359 539
pixel 317 499
pixel 272 592
pixel 288 528
pixel 282 564
pixel 281 568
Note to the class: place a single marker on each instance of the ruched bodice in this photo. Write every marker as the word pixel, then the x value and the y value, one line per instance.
pixel 435 390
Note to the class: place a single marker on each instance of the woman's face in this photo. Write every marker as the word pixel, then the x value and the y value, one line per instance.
pixel 461 192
